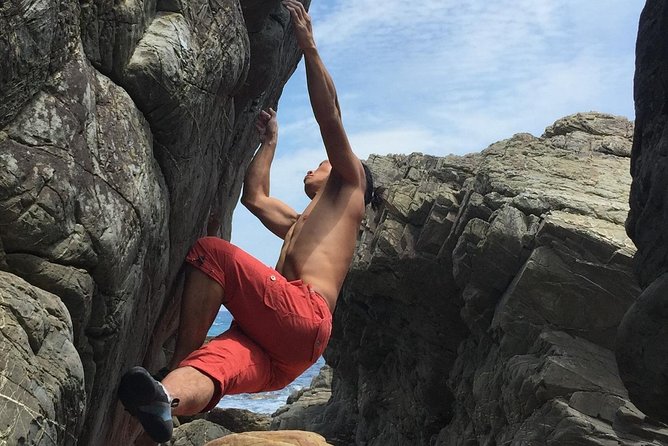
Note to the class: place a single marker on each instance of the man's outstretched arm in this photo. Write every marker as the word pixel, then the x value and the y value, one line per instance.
pixel 277 216
pixel 324 100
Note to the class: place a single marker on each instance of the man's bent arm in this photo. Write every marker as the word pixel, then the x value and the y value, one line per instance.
pixel 275 215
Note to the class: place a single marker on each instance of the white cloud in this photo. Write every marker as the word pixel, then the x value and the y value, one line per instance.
pixel 394 139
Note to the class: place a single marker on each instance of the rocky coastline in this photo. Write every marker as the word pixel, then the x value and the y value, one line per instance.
pixel 511 296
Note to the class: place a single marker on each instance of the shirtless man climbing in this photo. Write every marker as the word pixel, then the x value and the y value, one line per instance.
pixel 282 316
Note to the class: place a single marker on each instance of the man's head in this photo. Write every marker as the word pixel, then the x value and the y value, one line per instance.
pixel 315 179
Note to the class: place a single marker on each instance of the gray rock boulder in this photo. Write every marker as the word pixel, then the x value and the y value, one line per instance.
pixel 642 354
pixel 33 50
pixel 81 207
pixel 396 332
pixel 642 341
pixel 197 433
pixel 239 420
pixel 42 397
pixel 234 420
pixel 645 218
pixel 122 127
pixel 304 409
pixel 485 296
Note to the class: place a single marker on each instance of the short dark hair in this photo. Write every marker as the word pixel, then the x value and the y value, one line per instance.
pixel 369 193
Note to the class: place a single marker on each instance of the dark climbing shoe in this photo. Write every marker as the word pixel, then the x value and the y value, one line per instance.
pixel 146 400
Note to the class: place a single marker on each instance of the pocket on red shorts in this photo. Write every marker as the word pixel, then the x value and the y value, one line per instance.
pixel 286 299
pixel 322 338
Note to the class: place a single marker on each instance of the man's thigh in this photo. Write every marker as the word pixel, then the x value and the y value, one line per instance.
pixel 242 276
pixel 278 315
pixel 234 362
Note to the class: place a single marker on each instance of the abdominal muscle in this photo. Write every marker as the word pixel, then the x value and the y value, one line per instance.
pixel 318 248
pixel 324 283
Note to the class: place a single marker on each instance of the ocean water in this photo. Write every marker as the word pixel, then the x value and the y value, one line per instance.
pixel 264 402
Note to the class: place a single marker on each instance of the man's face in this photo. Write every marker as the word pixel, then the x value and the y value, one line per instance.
pixel 315 179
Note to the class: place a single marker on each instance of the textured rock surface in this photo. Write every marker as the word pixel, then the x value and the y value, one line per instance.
pixel 234 420
pixel 642 352
pixel 283 438
pixel 42 383
pixel 485 297
pixel 305 408
pixel 397 327
pixel 197 433
pixel 646 218
pixel 122 126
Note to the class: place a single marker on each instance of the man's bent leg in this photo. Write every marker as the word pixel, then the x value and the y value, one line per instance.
pixel 201 300
pixel 191 387
pixel 229 364
pixel 148 401
pixel 184 391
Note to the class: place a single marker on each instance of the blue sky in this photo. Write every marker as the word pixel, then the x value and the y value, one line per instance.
pixel 443 76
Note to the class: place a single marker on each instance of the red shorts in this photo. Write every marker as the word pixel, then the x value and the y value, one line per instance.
pixel 280 328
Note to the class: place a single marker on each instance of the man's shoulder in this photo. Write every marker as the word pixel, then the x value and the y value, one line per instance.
pixel 359 182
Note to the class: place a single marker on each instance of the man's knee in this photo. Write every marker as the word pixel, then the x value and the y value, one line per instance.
pixel 196 390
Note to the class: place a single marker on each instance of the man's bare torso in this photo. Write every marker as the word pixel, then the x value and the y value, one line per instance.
pixel 319 247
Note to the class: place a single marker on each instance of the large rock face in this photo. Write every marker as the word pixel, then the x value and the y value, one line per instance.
pixel 642 351
pixel 122 126
pixel 485 296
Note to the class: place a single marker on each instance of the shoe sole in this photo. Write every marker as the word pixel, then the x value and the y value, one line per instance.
pixel 138 389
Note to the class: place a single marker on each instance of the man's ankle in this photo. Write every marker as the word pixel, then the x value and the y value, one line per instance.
pixel 160 374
